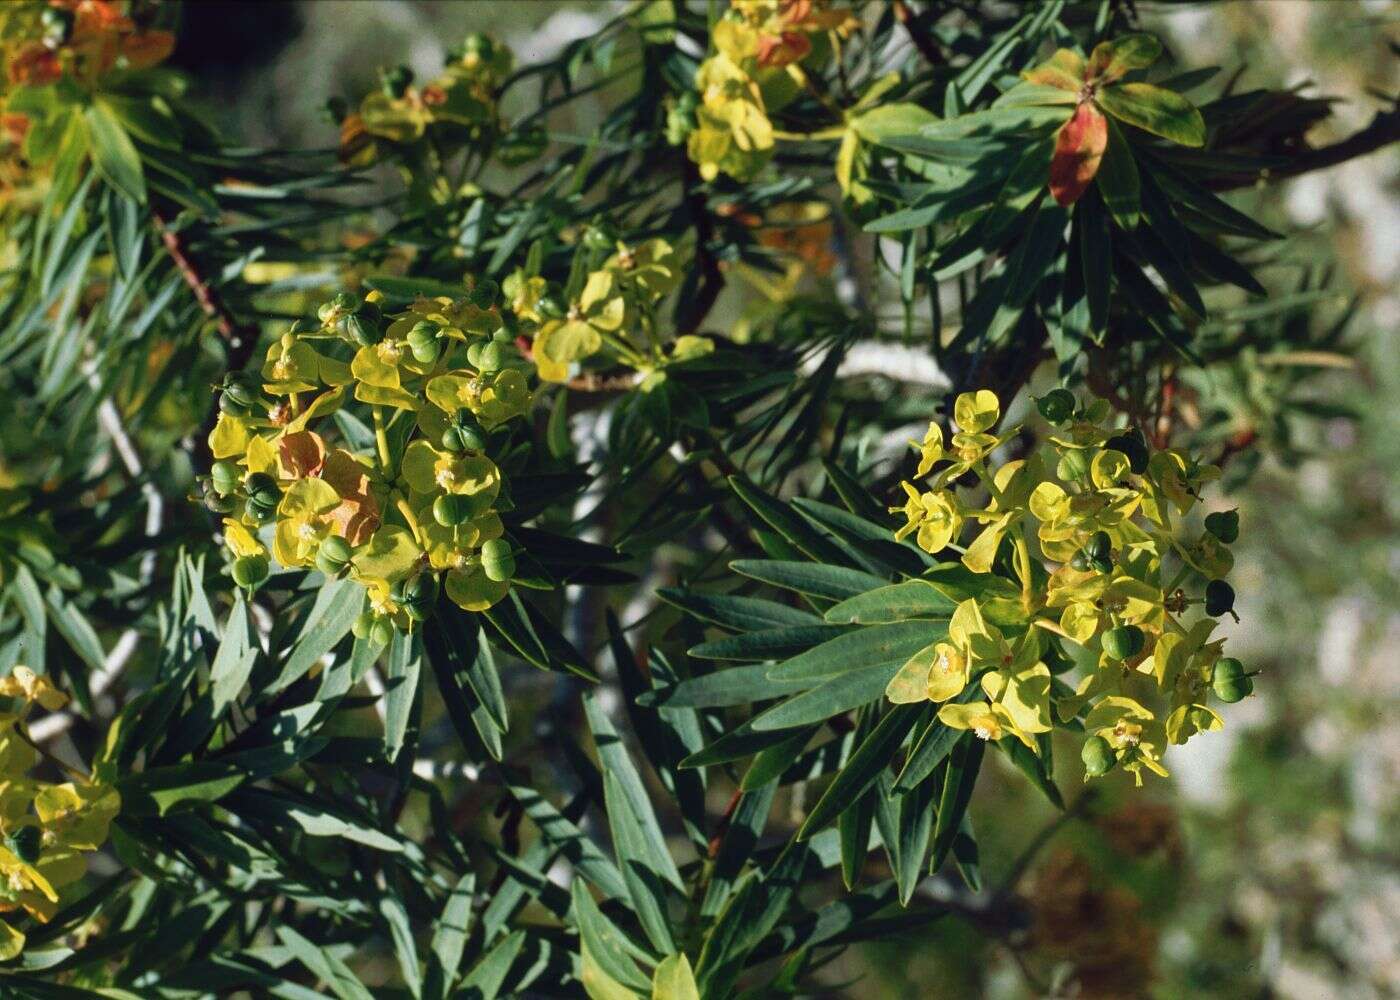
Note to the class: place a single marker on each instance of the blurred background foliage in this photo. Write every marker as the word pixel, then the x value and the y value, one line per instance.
pixel 1267 866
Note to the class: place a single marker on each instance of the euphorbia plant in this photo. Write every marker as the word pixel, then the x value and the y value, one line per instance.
pixel 557 616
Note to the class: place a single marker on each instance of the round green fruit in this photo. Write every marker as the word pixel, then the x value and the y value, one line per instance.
pixel 1123 642
pixel 1131 444
pixel 333 555
pixel 26 843
pixel 224 477
pixel 497 561
pixel 452 509
pixel 249 571
pixel 1098 756
pixel 1056 406
pixel 1230 682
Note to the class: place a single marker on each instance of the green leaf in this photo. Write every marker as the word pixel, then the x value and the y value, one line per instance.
pixel 234 660
pixel 738 614
pixel 400 691
pixel 449 939
pixel 789 525
pixel 160 789
pixel 1152 109
pixel 674 980
pixel 770 762
pixel 875 645
pixel 1032 765
pixel 865 765
pixel 886 120
pixel 337 605
pixel 325 965
pixel 913 599
pixel 113 152
pixel 609 948
pixel 643 858
pixel 742 742
pixel 814 579
pixel 1095 258
pixel 769 644
pixel 569 841
pixel 1118 180
pixel 535 638
pixel 840 694
pixel 487 977
pixel 958 781
pixel 931 746
pixel 391 908
pixel 732 686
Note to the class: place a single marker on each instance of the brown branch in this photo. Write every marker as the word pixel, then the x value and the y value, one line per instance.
pixel 922 42
pixel 239 339
pixel 1383 130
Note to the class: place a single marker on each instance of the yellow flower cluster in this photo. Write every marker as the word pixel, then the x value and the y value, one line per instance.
pixel 459 103
pixel 754 72
pixel 395 513
pixel 45 827
pixel 614 311
pixel 1071 545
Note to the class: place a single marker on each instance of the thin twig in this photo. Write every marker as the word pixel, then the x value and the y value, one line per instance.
pixel 1383 130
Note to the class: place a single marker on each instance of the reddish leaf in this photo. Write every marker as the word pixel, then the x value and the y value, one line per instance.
pixel 1079 148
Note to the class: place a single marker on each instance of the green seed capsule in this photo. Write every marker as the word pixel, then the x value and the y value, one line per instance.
pixel 333 555
pixel 262 488
pixel 423 342
pixel 1056 406
pixel 218 504
pixel 1099 546
pixel 363 325
pixel 420 595
pixel 242 389
pixel 261 513
pixel 600 235
pixel 1230 682
pixel 249 571
pixel 1123 642
pixel 1080 561
pixel 451 509
pixel 26 843
pixel 1073 465
pixel 1220 598
pixel 484 295
pixel 550 307
pixel 464 434
pixel 382 632
pixel 1224 525
pixel 363 625
pixel 1098 756
pixel 497 561
pixel 1131 444
pixel 224 477
pixel 229 405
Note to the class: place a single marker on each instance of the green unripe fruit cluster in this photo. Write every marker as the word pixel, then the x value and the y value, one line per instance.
pixel 416 595
pixel 364 324
pixel 1123 642
pixel 1230 682
pixel 1220 598
pixel 1056 406
pixel 452 509
pixel 249 571
pixel 464 434
pixel 1098 756
pixel 1224 525
pixel 497 560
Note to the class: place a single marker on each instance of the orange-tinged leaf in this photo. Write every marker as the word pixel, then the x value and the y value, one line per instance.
pixel 1064 70
pixel 1111 60
pixel 302 454
pixel 1079 147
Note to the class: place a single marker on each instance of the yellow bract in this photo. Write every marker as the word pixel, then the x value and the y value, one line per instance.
pixel 1048 508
